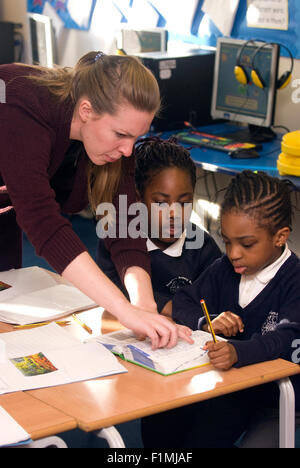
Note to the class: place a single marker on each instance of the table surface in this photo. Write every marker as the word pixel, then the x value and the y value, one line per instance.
pixel 119 398
pixel 111 400
pixel 36 417
pixel 218 161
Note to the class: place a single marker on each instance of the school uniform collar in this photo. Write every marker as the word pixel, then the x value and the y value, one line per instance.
pixel 175 249
pixel 265 275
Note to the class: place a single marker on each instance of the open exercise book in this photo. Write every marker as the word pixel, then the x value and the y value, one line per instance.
pixel 49 355
pixel 29 295
pixel 165 361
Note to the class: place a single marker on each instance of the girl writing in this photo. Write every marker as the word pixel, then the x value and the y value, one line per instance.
pixel 253 296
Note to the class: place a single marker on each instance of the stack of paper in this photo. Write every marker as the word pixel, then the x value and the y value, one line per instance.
pixel 48 356
pixel 11 433
pixel 30 295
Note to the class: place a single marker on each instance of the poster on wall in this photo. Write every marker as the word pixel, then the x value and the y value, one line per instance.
pixel 75 14
pixel 268 14
pixel 221 13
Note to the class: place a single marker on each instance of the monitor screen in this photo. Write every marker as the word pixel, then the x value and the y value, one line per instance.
pixel 42 40
pixel 135 41
pixel 239 102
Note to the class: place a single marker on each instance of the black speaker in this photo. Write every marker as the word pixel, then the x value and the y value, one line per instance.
pixel 185 80
pixel 7 42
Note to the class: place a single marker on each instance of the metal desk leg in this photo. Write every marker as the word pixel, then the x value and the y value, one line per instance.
pixel 56 442
pixel 286 414
pixel 112 436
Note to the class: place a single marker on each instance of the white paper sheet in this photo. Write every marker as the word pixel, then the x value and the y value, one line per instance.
pixel 142 15
pixel 222 13
pixel 10 431
pixel 48 356
pixel 35 296
pixel 178 14
pixel 2 351
pixel 268 14
pixel 80 11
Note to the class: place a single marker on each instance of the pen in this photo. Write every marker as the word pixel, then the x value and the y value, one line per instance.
pixel 41 324
pixel 205 311
pixel 82 324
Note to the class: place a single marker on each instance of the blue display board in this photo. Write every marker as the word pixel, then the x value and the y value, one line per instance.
pixel 202 30
pixel 289 38
pixel 61 8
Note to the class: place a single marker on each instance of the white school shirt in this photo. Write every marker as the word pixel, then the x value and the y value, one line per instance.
pixel 174 250
pixel 252 285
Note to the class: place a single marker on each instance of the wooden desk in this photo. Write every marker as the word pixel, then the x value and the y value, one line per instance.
pixel 119 398
pixel 111 400
pixel 37 418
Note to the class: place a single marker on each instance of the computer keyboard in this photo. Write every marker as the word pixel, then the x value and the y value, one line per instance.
pixel 215 142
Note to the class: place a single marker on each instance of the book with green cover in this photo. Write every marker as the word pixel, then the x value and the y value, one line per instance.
pixel 165 361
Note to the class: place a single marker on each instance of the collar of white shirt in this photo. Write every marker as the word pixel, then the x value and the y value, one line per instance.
pixel 251 285
pixel 265 275
pixel 174 250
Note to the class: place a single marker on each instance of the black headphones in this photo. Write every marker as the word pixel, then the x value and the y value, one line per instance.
pixel 242 75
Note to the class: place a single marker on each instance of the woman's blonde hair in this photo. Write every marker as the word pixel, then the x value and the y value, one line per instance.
pixel 107 81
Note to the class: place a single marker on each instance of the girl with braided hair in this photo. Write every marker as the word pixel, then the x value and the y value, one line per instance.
pixel 253 296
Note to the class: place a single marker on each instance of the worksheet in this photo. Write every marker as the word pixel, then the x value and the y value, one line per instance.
pixel 49 355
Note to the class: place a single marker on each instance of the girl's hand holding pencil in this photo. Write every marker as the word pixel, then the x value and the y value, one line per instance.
pixel 222 355
pixel 226 324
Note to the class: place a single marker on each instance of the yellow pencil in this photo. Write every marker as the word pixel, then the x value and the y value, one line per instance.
pixel 41 324
pixel 82 324
pixel 205 311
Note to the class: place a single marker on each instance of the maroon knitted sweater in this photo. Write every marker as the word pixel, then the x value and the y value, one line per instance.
pixel 34 138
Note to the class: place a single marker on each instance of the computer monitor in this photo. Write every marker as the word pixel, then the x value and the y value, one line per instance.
pixel 135 41
pixel 246 103
pixel 7 42
pixel 42 40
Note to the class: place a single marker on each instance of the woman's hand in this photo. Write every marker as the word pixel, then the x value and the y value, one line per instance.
pixel 162 332
pixel 227 324
pixel 83 273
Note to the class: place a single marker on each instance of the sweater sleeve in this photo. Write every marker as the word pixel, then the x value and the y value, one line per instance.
pixel 26 146
pixel 277 335
pixel 127 252
pixel 186 308
pixel 274 344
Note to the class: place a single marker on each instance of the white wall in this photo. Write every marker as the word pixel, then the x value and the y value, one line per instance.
pixel 288 107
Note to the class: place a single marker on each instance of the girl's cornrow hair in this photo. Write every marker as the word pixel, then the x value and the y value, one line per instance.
pixel 266 198
pixel 154 154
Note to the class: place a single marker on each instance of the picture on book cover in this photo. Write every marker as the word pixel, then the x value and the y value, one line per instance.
pixel 4 286
pixel 36 364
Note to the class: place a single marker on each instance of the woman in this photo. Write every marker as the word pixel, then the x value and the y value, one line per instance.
pixel 62 135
